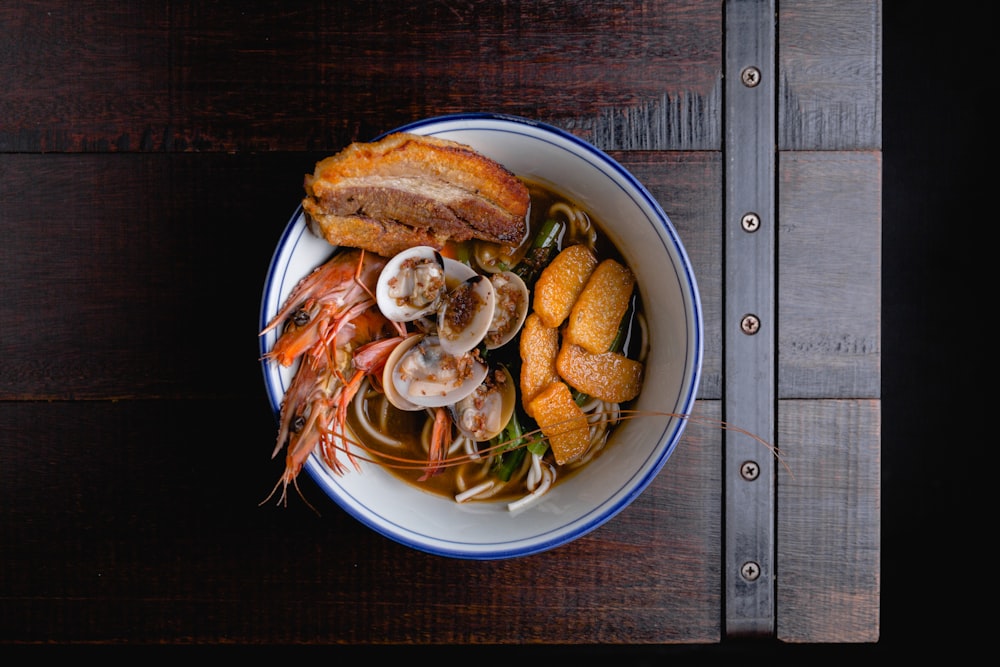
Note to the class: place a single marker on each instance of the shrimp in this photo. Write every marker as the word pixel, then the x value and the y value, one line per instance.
pixel 329 321
pixel 323 302
pixel 441 438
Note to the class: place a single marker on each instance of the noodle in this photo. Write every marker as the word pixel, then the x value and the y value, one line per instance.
pixel 535 473
pixel 579 227
pixel 547 478
pixel 361 418
pixel 474 491
pixel 469 445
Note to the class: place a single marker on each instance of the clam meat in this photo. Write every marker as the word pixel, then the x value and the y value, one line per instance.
pixel 466 314
pixel 412 284
pixel 483 414
pixel 510 310
pixel 427 376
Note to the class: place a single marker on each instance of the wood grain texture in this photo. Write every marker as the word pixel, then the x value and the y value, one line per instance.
pixel 84 76
pixel 830 268
pixel 830 64
pixel 162 540
pixel 688 186
pixel 317 75
pixel 828 525
pixel 176 72
pixel 151 263
pixel 157 258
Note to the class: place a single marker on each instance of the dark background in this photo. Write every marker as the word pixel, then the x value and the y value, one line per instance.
pixel 936 161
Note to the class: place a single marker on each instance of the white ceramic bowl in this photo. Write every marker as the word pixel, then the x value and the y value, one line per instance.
pixel 639 447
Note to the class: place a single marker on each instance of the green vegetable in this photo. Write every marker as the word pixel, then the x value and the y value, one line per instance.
pixel 624 326
pixel 549 234
pixel 541 252
pixel 510 457
pixel 538 446
pixel 463 253
pixel 508 462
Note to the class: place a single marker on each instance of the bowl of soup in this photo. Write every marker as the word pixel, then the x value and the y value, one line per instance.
pixel 582 430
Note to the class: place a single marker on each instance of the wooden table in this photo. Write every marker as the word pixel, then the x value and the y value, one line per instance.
pixel 150 156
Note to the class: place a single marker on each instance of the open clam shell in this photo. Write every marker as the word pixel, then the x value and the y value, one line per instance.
pixel 483 414
pixel 466 314
pixel 412 284
pixel 425 375
pixel 391 393
pixel 511 309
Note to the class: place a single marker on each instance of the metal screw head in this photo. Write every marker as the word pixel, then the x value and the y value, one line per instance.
pixel 749 470
pixel 750 222
pixel 750 76
pixel 750 324
pixel 750 570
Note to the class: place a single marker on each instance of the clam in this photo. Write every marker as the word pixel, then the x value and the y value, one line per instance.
pixel 483 414
pixel 424 375
pixel 455 271
pixel 512 301
pixel 495 257
pixel 389 387
pixel 411 284
pixel 466 314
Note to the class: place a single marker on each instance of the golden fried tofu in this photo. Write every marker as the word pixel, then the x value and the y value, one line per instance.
pixel 539 347
pixel 562 422
pixel 595 317
pixel 561 282
pixel 609 376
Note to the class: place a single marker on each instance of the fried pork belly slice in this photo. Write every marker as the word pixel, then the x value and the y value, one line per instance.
pixel 385 238
pixel 442 189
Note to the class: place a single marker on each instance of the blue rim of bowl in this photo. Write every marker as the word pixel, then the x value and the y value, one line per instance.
pixel 599 515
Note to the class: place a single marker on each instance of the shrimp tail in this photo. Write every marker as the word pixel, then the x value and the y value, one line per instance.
pixel 440 444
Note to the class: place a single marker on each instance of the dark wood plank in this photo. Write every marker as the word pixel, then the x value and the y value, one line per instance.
pixel 135 274
pixel 154 271
pixel 830 268
pixel 125 520
pixel 829 521
pixel 688 185
pixel 158 87
pixel 829 345
pixel 84 76
pixel 830 64
pixel 315 75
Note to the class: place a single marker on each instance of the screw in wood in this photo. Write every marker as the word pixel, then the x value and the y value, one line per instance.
pixel 750 222
pixel 750 570
pixel 750 324
pixel 750 76
pixel 749 470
